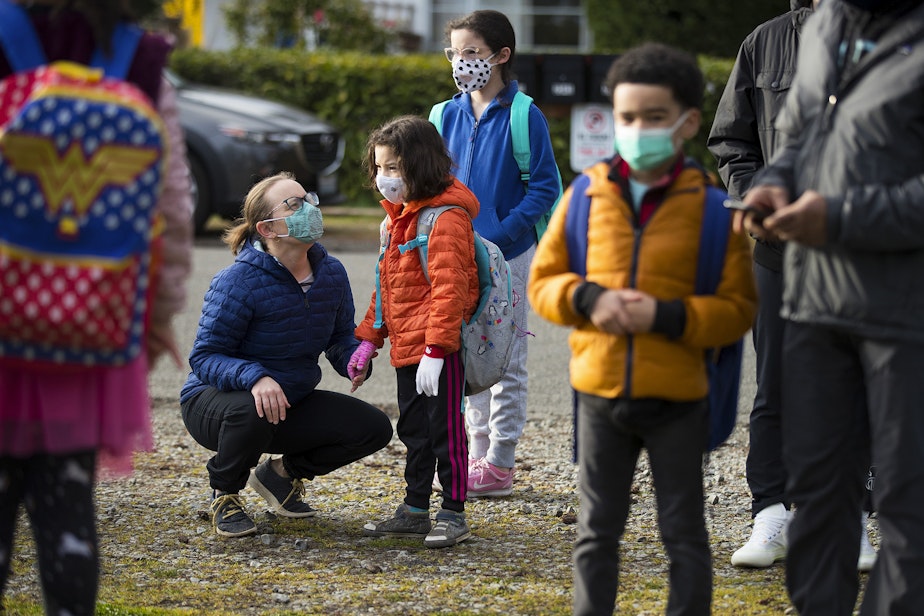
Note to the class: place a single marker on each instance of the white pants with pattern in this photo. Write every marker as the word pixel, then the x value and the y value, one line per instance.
pixel 496 417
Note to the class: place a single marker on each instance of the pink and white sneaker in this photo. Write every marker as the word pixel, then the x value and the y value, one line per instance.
pixel 485 479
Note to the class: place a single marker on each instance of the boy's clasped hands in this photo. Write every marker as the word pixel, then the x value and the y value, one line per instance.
pixel 624 311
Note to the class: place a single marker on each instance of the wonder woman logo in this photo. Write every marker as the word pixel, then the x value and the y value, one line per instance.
pixel 72 176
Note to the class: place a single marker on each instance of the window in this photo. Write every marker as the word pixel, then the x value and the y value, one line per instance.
pixel 540 25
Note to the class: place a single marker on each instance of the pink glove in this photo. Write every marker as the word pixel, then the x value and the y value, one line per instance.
pixel 360 357
pixel 428 375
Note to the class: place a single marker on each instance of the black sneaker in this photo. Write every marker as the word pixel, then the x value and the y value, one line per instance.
pixel 405 523
pixel 283 495
pixel 229 517
pixel 450 529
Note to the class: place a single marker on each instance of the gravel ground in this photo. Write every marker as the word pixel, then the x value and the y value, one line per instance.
pixel 159 552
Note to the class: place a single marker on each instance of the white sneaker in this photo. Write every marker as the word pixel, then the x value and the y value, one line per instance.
pixel 867 552
pixel 767 544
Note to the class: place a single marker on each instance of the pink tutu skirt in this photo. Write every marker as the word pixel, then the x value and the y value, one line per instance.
pixel 55 412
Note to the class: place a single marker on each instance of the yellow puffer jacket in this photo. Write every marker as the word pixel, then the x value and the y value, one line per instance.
pixel 416 313
pixel 660 259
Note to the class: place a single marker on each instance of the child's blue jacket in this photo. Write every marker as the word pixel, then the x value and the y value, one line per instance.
pixel 483 155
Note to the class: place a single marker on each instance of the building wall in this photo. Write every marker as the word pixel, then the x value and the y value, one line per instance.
pixel 560 28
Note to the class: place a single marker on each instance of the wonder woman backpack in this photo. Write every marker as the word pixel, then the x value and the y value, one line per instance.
pixel 81 162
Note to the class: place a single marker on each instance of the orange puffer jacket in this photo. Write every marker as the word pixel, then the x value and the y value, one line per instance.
pixel 416 313
pixel 660 259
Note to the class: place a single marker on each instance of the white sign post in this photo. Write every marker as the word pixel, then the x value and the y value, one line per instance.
pixel 591 134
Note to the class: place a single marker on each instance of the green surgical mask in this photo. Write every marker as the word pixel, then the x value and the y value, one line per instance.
pixel 646 148
pixel 305 223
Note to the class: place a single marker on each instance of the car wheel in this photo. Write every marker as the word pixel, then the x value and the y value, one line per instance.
pixel 201 193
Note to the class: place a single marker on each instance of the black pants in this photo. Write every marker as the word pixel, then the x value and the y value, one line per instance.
pixel 57 491
pixel 321 433
pixel 611 436
pixel 433 430
pixel 845 398
pixel 765 470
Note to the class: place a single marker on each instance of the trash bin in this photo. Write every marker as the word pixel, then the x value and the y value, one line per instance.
pixel 526 73
pixel 563 79
pixel 597 68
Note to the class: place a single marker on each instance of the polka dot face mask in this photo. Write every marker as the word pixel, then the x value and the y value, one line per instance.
pixel 471 75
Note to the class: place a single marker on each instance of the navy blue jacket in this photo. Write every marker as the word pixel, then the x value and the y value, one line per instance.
pixel 257 322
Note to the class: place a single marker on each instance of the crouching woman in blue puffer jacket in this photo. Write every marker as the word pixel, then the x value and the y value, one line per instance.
pixel 265 321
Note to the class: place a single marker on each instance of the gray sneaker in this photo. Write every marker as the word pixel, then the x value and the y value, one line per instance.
pixel 283 495
pixel 405 523
pixel 229 517
pixel 450 529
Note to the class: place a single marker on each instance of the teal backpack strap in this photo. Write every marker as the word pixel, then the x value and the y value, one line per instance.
pixel 436 116
pixel 384 240
pixel 426 218
pixel 519 132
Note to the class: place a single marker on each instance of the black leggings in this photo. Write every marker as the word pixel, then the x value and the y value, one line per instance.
pixel 57 491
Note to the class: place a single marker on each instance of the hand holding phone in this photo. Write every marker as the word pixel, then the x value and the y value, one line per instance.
pixel 758 213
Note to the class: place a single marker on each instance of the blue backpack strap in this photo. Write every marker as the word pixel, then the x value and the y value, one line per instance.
pixel 20 43
pixel 436 116
pixel 576 223
pixel 125 39
pixel 713 241
pixel 726 360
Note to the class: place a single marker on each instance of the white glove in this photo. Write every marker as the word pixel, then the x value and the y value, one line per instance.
pixel 428 375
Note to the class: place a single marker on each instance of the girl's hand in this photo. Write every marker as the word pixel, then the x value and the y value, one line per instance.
pixel 271 401
pixel 428 375
pixel 359 361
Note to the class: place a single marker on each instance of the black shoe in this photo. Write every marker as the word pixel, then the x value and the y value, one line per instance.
pixel 229 517
pixel 283 495
pixel 405 523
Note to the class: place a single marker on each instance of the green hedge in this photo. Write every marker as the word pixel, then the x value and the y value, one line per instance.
pixel 357 92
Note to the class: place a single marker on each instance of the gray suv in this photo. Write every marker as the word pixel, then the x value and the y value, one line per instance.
pixel 235 139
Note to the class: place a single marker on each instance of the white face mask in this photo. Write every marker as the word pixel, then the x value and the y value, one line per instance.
pixel 471 75
pixel 391 188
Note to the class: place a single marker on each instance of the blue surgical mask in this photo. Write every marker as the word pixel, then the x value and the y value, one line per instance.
pixel 304 224
pixel 391 188
pixel 647 148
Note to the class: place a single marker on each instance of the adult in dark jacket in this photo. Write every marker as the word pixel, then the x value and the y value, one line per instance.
pixel 742 140
pixel 265 321
pixel 846 192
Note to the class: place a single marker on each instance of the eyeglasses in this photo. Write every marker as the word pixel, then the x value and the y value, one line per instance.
pixel 468 54
pixel 294 204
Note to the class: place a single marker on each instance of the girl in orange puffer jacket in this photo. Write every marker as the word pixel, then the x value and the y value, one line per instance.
pixel 408 163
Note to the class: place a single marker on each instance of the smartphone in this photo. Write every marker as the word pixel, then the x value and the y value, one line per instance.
pixel 757 213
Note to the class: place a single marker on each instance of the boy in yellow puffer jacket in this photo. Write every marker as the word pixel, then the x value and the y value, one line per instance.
pixel 640 330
